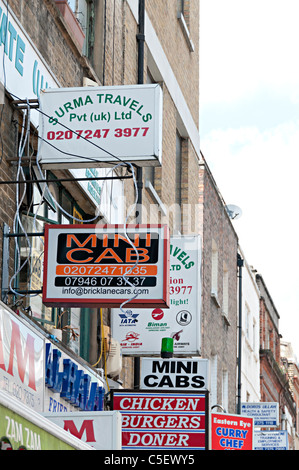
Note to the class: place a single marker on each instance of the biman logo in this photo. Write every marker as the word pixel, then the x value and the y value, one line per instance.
pixel 157 314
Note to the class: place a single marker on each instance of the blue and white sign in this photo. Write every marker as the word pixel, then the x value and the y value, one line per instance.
pixel 264 413
pixel 71 386
pixel 271 440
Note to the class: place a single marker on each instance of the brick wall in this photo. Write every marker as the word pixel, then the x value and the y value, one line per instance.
pixel 219 334
pixel 117 64
pixel 184 63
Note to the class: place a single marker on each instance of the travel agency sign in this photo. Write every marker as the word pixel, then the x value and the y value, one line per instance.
pixel 140 332
pixel 88 126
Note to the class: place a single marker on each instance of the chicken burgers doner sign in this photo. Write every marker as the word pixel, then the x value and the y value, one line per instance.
pixel 88 265
pixel 162 420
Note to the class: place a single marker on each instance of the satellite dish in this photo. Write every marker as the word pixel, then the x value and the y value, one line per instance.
pixel 234 212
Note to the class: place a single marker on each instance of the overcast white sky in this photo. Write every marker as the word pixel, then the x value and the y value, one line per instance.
pixel 249 128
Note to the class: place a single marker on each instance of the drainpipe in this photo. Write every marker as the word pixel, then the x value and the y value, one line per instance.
pixel 140 41
pixel 240 264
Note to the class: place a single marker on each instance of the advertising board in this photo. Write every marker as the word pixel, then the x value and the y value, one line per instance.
pixel 24 429
pixel 231 432
pixel 68 385
pixel 165 420
pixel 23 70
pixel 140 332
pixel 21 360
pixel 92 126
pixel 102 265
pixel 271 440
pixel 264 413
pixel 174 374
pixel 101 429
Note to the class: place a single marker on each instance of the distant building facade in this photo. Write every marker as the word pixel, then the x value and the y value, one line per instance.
pixel 250 367
pixel 273 375
pixel 219 296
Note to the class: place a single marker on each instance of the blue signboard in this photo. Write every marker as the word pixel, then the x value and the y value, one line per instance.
pixel 264 413
pixel 271 440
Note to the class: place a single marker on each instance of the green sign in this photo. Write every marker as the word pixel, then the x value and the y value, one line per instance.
pixel 19 433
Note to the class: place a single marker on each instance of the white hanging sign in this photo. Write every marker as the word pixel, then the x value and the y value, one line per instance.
pixel 174 374
pixel 92 126
pixel 140 332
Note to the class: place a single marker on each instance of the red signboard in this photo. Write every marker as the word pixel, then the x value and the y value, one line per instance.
pixel 162 420
pixel 89 265
pixel 231 432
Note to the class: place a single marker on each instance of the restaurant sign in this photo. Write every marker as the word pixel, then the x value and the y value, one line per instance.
pixel 165 420
pixel 231 432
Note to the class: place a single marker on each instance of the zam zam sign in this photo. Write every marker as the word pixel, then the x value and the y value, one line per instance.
pixel 87 126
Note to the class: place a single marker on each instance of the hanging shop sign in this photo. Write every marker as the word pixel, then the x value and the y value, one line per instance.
pixel 231 432
pixel 21 360
pixel 24 71
pixel 264 413
pixel 104 265
pixel 140 332
pixel 162 420
pixel 68 385
pixel 88 126
pixel 271 440
pixel 174 374
pixel 101 429
pixel 24 429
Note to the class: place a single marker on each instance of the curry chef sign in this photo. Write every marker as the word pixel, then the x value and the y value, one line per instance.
pixel 103 265
pixel 88 126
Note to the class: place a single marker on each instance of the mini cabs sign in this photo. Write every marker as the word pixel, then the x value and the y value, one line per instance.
pixel 105 265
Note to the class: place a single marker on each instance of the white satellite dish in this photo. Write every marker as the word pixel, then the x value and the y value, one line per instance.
pixel 234 212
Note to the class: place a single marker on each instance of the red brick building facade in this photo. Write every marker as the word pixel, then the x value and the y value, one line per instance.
pixel 273 374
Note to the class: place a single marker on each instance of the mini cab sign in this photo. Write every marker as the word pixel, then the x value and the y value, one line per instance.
pixel 105 266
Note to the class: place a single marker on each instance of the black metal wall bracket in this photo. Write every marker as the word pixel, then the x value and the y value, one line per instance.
pixel 5 288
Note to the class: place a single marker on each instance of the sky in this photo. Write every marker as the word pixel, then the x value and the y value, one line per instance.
pixel 249 135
